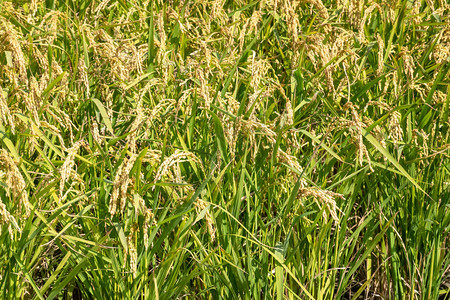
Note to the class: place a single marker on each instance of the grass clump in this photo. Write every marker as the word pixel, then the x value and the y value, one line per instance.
pixel 224 149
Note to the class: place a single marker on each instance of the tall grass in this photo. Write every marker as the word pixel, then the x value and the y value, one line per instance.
pixel 224 149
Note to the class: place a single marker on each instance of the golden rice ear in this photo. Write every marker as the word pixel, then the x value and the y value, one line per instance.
pixel 173 160
pixel 40 58
pixel 355 128
pixel 10 38
pixel 324 197
pixel 5 113
pixel 8 219
pixel 441 51
pixel 424 137
pixel 83 75
pixel 120 185
pixel 408 66
pixel 354 9
pixel 323 12
pixel 366 20
pixel 135 126
pixel 162 38
pixel 69 162
pixel 102 5
pixel 126 180
pixel 132 252
pixel 293 163
pixel 150 220
pixel 380 55
pixel 201 205
pixel 395 130
pixel 32 99
pixel 15 182
pixel 95 132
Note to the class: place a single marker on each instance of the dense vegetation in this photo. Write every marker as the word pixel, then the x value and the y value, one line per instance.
pixel 224 149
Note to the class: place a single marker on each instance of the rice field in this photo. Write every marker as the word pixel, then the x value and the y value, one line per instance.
pixel 212 149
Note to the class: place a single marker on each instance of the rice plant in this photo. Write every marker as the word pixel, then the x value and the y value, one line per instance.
pixel 216 149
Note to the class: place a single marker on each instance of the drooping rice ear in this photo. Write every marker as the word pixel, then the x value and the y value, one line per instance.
pixel 15 182
pixel 69 162
pixel 5 113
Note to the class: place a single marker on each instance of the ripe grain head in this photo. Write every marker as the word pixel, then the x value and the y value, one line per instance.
pixel 15 182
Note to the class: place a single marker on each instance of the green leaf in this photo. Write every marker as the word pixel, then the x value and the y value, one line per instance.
pixel 315 139
pixel 389 157
pixel 220 137
pixel 104 114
